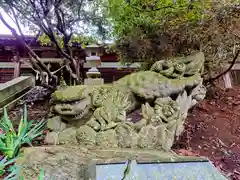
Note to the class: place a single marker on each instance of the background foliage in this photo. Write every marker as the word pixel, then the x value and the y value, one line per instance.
pixel 148 30
pixel 59 23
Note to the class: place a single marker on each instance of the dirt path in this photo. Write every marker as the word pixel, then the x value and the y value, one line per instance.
pixel 213 130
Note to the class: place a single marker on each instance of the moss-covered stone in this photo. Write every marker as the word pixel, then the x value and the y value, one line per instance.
pixel 86 135
pixel 51 138
pixel 153 137
pixel 56 124
pixel 180 66
pixel 107 139
pixel 166 92
pixel 71 93
pixel 67 136
pixel 147 137
pixel 127 136
pixel 168 141
pixel 149 84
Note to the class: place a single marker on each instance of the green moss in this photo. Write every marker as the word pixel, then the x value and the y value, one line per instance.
pixel 86 135
pixel 187 81
pixel 70 93
pixel 68 136
pixel 107 139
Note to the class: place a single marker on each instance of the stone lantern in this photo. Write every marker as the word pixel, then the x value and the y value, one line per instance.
pixel 93 60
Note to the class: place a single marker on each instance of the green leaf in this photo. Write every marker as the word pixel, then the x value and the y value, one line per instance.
pixel 7 124
pixel 10 142
pixel 25 113
pixel 41 175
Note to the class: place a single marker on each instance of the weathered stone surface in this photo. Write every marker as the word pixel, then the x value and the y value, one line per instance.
pixel 107 139
pixel 126 136
pixel 86 135
pixel 159 171
pixel 165 92
pixel 147 137
pixel 155 137
pixel 70 163
pixel 52 138
pixel 169 140
pixel 68 136
pixel 56 124
pixel 91 81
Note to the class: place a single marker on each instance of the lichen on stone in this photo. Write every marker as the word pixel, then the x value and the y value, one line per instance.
pixel 107 139
pixel 86 135
pixel 127 137
pixel 67 136
pixel 71 93
pixel 165 93
pixel 56 124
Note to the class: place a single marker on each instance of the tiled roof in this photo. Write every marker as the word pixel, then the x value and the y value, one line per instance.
pixel 9 40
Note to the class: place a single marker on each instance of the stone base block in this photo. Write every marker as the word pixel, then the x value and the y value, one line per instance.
pixel 82 163
pixel 96 81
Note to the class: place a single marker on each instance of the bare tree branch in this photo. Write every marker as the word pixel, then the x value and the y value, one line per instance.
pixel 30 51
pixel 17 23
pixel 53 19
pixel 211 80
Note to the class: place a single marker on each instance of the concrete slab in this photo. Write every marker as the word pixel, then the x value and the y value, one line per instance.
pixel 15 88
pixel 159 171
pixel 81 163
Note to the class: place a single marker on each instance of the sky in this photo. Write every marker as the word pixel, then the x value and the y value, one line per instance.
pixel 5 30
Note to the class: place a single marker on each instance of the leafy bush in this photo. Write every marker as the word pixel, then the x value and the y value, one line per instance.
pixel 11 141
pixel 148 30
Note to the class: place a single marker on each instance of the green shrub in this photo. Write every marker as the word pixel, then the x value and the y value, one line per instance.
pixel 11 141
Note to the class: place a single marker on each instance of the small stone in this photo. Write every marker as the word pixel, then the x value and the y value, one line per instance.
pixel 107 139
pixel 51 138
pixel 68 136
pixel 86 135
pixel 56 124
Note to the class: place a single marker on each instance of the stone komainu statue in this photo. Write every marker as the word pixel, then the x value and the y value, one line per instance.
pixel 97 115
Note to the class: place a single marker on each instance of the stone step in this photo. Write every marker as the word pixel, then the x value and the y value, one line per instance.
pixel 12 90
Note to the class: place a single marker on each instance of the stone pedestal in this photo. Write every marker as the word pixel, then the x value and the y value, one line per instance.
pixel 81 163
pixel 95 81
